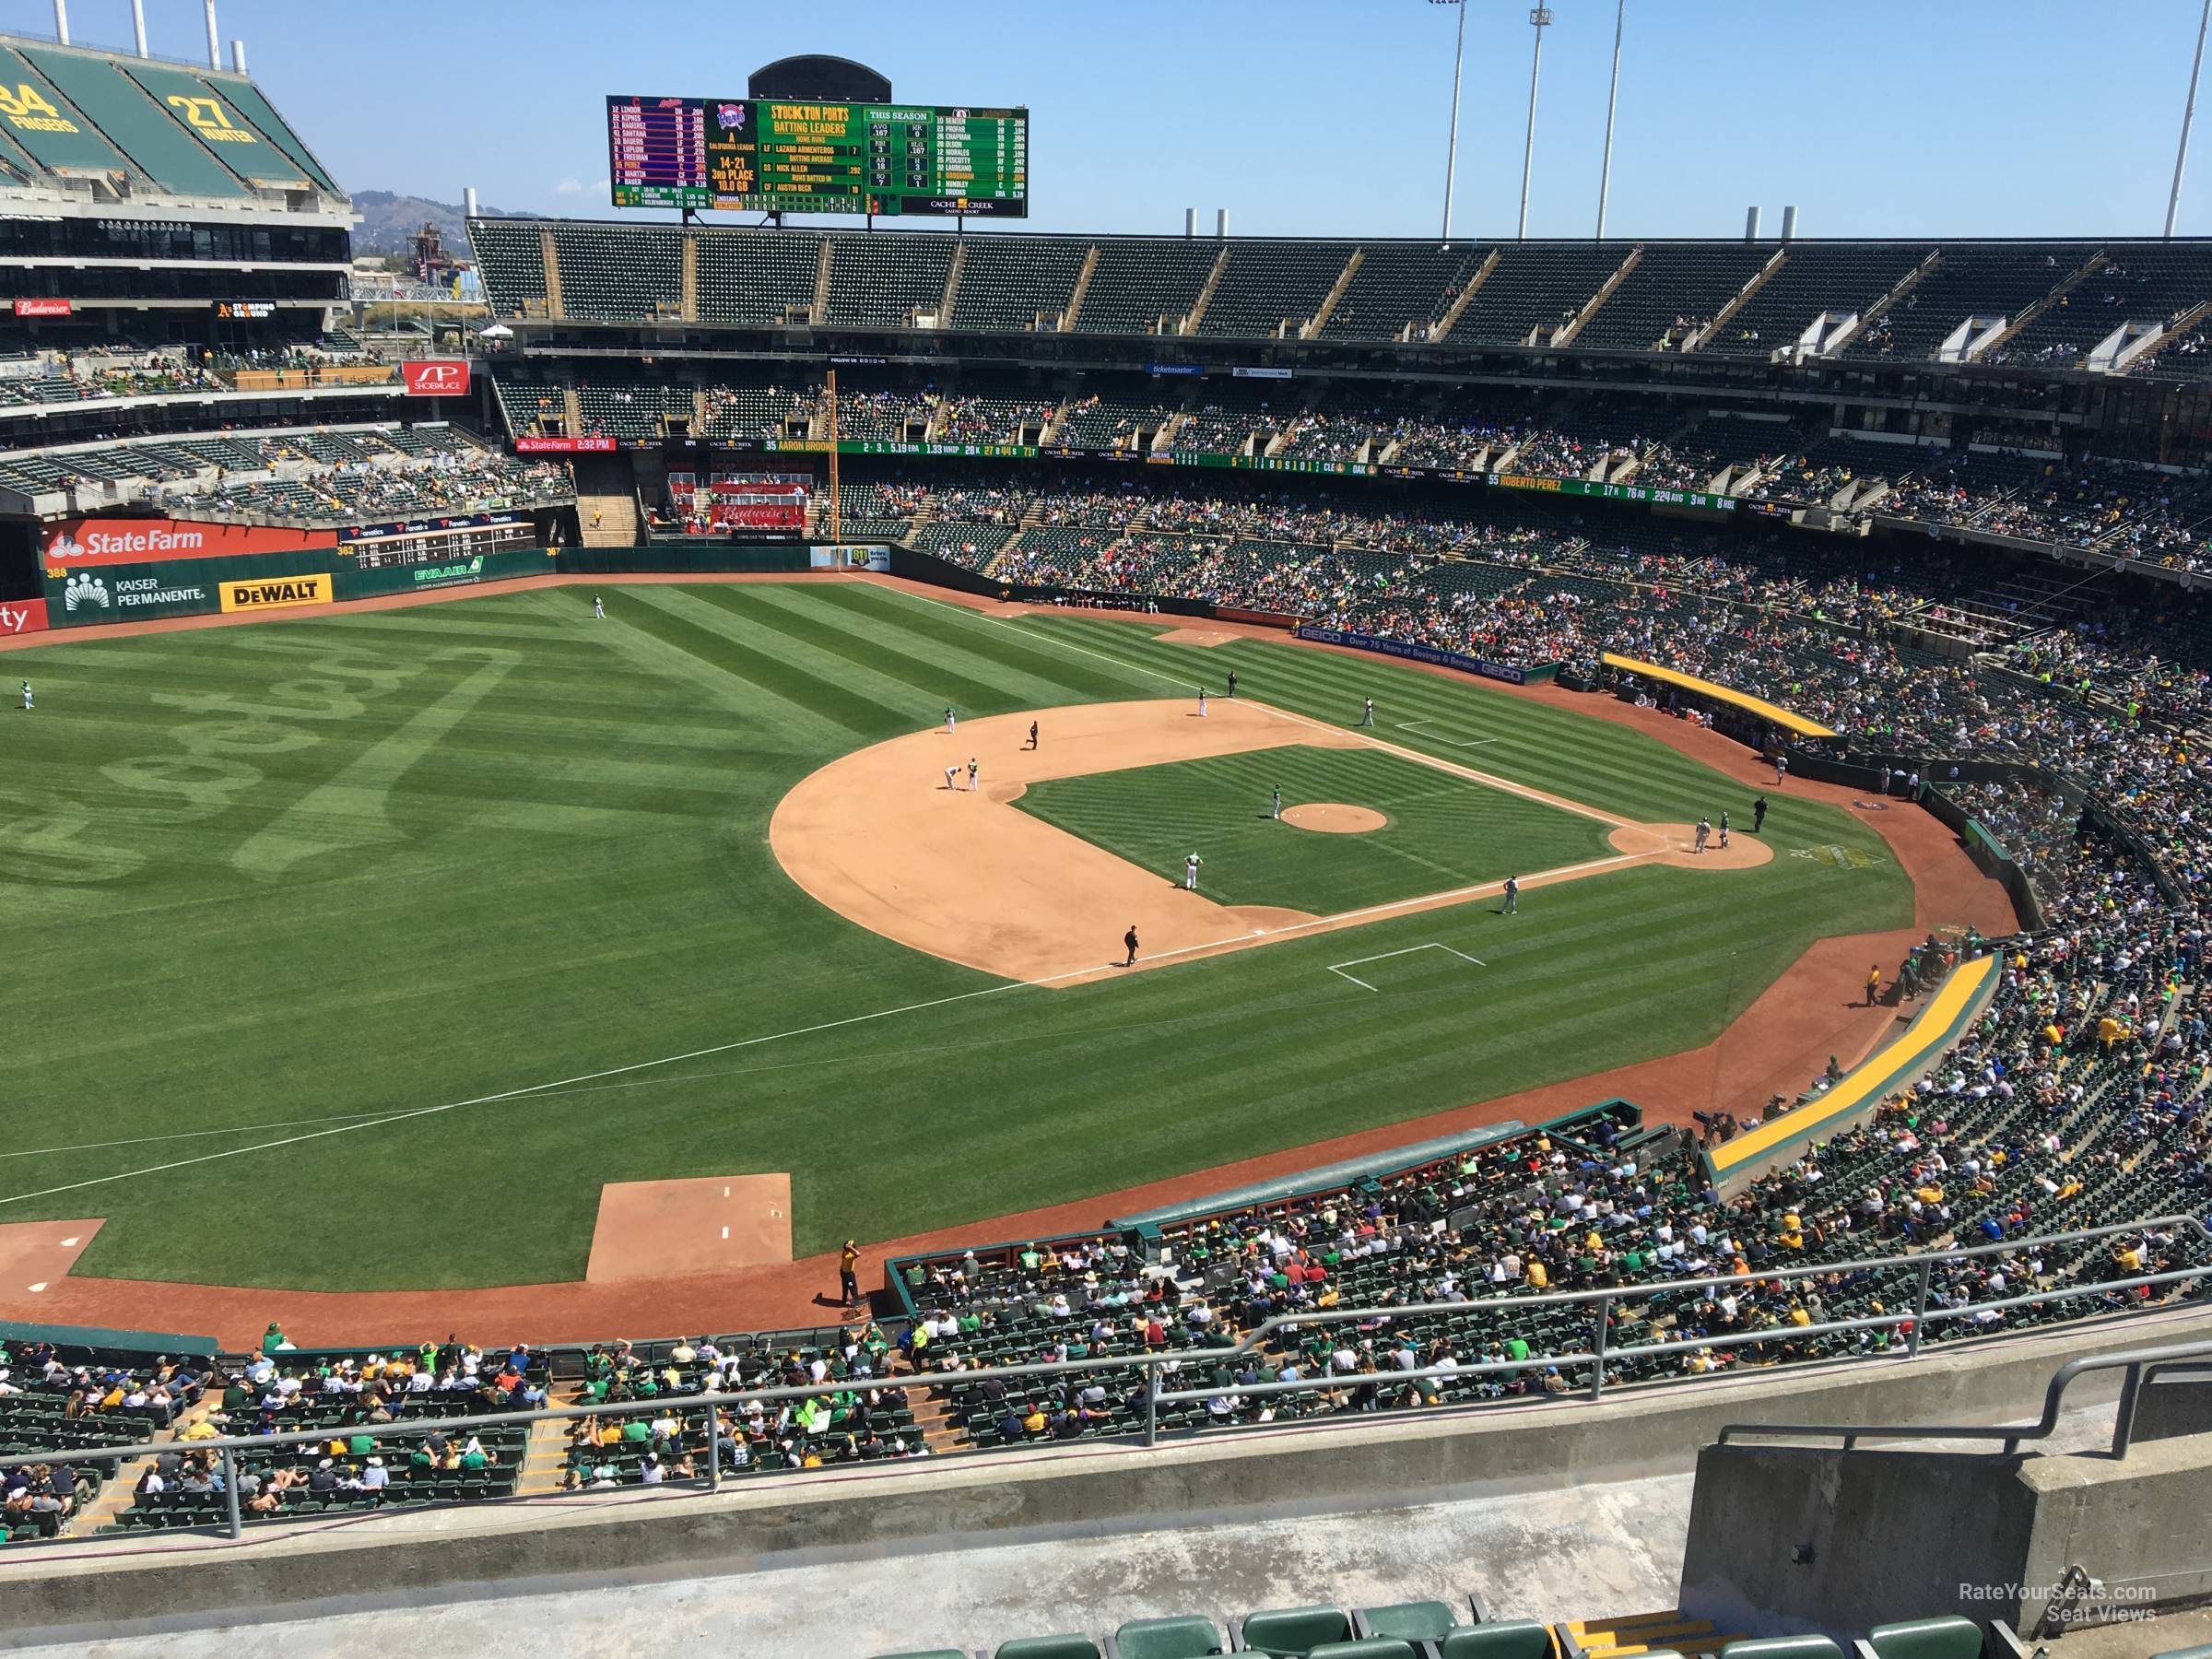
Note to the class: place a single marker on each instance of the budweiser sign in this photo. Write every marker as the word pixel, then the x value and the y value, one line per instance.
pixel 435 379
pixel 43 308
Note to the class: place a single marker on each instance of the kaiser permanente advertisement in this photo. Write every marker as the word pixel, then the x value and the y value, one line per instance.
pixel 263 584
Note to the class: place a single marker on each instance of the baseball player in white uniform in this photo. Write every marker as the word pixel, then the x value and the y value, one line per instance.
pixel 1279 801
pixel 1367 714
pixel 949 721
pixel 1704 830
pixel 972 770
pixel 598 607
pixel 1202 702
pixel 1189 872
pixel 952 776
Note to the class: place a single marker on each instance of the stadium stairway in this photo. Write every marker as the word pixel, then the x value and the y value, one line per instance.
pixel 121 1489
pixel 1639 1633
pixel 933 1415
pixel 606 502
pixel 545 1455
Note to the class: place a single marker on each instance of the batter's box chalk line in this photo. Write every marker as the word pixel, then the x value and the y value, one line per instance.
pixel 1414 725
pixel 1338 968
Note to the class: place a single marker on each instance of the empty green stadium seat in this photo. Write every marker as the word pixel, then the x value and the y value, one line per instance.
pixel 1189 1637
pixel 1783 1647
pixel 1407 1621
pixel 1948 1637
pixel 1501 1638
pixel 1293 1632
pixel 1068 1646
pixel 1373 1647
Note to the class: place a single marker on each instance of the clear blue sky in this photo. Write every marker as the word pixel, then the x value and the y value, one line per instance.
pixel 1876 117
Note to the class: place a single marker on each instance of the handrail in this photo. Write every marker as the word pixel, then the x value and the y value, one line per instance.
pixel 2141 1365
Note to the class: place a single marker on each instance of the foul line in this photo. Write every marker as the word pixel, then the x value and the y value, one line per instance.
pixel 1408 725
pixel 1338 968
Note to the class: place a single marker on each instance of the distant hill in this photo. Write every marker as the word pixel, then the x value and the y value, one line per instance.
pixel 388 221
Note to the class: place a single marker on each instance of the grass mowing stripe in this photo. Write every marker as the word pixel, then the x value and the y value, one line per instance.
pixel 926 682
pixel 824 699
pixel 950 623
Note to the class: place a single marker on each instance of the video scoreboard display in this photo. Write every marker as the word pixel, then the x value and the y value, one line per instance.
pixel 776 156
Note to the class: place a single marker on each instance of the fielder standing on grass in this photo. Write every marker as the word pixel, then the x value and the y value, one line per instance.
pixel 1512 897
pixel 27 697
pixel 1367 715
pixel 598 607
pixel 949 719
pixel 1278 802
pixel 1758 816
pixel 1232 682
pixel 1190 873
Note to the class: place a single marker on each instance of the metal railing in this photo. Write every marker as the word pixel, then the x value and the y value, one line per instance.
pixel 1154 1367
pixel 2141 1365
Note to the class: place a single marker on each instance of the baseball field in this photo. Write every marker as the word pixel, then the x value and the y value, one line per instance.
pixel 360 952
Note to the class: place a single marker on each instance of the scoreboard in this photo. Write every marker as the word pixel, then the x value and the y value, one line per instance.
pixel 780 156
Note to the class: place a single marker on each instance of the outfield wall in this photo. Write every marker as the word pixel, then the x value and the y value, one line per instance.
pixel 314 577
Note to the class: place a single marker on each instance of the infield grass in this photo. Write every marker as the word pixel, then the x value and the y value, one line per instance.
pixel 351 952
pixel 1441 831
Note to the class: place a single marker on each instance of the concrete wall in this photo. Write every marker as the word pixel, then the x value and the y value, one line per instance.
pixel 1079 1489
pixel 2175 1406
pixel 1788 1539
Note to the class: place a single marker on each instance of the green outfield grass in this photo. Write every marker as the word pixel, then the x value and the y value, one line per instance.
pixel 351 952
pixel 1444 831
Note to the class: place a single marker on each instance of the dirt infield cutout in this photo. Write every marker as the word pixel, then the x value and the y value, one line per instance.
pixel 896 838
pixel 649 1228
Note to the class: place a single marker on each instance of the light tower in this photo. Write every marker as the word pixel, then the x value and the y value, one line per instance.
pixel 1452 143
pixel 1539 18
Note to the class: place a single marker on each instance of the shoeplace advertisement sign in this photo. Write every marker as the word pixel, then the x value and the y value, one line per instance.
pixel 79 544
pixel 1415 653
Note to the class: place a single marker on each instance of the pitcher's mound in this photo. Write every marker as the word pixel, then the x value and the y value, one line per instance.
pixel 1676 844
pixel 1332 817
pixel 647 1229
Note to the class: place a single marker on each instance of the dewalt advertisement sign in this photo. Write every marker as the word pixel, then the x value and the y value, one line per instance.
pixel 275 593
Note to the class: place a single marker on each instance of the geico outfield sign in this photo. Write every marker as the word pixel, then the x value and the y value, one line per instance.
pixel 273 593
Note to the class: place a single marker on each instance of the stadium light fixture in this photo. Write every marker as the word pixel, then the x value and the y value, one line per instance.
pixel 1540 19
pixel 1605 172
pixel 1459 54
pixel 2180 158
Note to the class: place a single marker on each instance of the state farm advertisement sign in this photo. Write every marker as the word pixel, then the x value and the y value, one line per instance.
pixel 561 446
pixel 74 543
pixel 43 308
pixel 435 379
